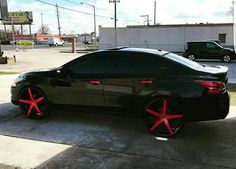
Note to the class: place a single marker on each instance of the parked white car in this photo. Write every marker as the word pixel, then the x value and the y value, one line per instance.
pixel 55 42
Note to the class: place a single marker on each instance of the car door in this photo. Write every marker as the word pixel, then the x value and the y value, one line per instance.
pixel 82 83
pixel 212 51
pixel 130 79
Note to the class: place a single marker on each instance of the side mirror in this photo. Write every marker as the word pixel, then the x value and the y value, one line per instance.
pixel 61 71
pixel 58 70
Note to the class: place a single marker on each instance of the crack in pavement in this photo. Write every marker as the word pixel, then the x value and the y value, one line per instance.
pixel 10 118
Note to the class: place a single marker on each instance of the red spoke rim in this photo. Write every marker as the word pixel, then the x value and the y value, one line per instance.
pixel 31 102
pixel 163 118
pixel 153 113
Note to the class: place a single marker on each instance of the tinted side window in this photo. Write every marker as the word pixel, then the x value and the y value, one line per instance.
pixel 136 64
pixel 92 64
pixel 211 45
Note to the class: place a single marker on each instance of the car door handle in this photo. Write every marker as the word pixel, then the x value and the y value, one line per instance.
pixel 95 82
pixel 147 81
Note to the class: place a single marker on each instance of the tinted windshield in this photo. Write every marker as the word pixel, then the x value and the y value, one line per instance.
pixel 183 61
pixel 217 44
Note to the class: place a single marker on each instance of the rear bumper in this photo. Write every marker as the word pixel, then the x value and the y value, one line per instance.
pixel 209 107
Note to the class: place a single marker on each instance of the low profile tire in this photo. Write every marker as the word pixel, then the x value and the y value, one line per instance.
pixel 164 117
pixel 33 103
pixel 191 57
pixel 226 59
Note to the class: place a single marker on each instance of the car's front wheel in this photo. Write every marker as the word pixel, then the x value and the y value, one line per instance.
pixel 33 103
pixel 226 58
pixel 164 117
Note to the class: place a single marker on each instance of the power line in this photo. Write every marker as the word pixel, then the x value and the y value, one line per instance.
pixel 69 9
pixel 72 2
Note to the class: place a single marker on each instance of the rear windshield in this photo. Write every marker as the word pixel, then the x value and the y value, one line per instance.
pixel 183 61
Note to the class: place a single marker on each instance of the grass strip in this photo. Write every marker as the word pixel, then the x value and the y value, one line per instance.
pixel 7 73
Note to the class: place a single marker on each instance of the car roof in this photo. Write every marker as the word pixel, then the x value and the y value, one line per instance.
pixel 202 41
pixel 137 50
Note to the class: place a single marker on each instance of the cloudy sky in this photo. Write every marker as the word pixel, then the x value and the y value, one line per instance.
pixel 128 13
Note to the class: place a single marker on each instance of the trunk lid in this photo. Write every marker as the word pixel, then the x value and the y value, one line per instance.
pixel 220 72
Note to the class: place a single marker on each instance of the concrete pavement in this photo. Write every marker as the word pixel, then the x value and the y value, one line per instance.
pixel 37 59
pixel 74 139
pixel 27 153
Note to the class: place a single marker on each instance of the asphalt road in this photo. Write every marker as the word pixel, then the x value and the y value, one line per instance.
pixel 74 139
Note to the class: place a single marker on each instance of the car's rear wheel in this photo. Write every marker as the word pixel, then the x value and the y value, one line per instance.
pixel 164 117
pixel 226 59
pixel 191 57
pixel 33 103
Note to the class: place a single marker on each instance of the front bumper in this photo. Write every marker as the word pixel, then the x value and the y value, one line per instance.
pixel 14 95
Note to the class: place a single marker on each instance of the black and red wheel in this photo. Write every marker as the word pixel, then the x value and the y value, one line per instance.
pixel 33 103
pixel 164 117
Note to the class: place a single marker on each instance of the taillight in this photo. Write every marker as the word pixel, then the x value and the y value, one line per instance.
pixel 213 87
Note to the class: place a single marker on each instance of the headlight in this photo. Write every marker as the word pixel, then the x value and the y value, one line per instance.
pixel 18 80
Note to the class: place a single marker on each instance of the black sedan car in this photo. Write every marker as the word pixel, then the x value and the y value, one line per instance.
pixel 166 90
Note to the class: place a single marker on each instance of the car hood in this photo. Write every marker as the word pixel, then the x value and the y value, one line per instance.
pixel 229 49
pixel 38 71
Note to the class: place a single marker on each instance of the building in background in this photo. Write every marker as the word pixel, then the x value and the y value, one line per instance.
pixel 166 37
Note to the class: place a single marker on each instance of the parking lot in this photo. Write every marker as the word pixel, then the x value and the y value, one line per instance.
pixel 76 139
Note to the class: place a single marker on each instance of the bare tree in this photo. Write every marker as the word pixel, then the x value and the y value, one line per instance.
pixel 44 30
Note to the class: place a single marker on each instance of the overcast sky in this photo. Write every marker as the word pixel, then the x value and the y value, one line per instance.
pixel 128 13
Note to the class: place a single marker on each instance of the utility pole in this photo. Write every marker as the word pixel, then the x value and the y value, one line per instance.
pixel 42 19
pixel 13 30
pixel 94 19
pixel 42 27
pixel 58 21
pixel 234 23
pixel 155 10
pixel 115 1
pixel 147 19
